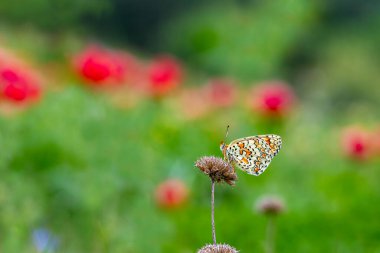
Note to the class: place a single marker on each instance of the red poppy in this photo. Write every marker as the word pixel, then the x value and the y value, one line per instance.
pixel 164 74
pixel 18 85
pixel 272 98
pixel 99 66
pixel 171 193
pixel 356 143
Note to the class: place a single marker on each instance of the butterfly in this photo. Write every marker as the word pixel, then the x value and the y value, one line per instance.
pixel 252 154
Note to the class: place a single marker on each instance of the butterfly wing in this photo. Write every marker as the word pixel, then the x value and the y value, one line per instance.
pixel 274 142
pixel 253 154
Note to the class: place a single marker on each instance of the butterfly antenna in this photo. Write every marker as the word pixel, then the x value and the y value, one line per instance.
pixel 225 137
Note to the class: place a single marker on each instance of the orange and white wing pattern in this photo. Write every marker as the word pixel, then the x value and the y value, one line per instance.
pixel 274 142
pixel 253 154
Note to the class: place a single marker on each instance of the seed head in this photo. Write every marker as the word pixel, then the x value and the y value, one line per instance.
pixel 217 169
pixel 219 248
pixel 270 205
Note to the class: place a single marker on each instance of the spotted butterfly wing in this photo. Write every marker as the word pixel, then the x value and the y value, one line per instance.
pixel 253 154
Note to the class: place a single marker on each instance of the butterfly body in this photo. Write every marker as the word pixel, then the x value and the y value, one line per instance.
pixel 252 154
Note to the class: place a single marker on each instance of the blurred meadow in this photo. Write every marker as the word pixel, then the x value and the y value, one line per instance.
pixel 105 105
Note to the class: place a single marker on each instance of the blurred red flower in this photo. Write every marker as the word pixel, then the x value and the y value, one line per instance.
pixel 164 74
pixel 356 143
pixel 18 84
pixel 171 193
pixel 221 93
pixel 274 98
pixel 99 66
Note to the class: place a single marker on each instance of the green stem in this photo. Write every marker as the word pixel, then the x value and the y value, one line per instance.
pixel 269 247
pixel 213 211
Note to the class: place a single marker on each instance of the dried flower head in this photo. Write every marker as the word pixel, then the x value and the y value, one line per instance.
pixel 270 205
pixel 219 248
pixel 217 169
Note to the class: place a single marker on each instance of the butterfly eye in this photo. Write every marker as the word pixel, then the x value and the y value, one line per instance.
pixel 222 145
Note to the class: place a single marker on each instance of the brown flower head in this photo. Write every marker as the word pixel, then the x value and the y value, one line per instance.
pixel 270 205
pixel 217 169
pixel 219 248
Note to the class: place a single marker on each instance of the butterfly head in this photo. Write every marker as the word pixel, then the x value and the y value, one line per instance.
pixel 223 148
pixel 222 145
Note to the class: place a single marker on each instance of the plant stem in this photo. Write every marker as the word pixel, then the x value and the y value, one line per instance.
pixel 270 235
pixel 212 211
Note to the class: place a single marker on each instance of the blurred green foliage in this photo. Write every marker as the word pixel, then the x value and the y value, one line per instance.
pixel 343 77
pixel 51 15
pixel 88 171
pixel 246 41
pixel 72 163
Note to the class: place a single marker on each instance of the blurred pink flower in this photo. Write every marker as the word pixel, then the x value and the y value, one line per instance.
pixel 100 66
pixel 193 103
pixel 356 143
pixel 221 93
pixel 164 74
pixel 171 193
pixel 18 84
pixel 274 98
